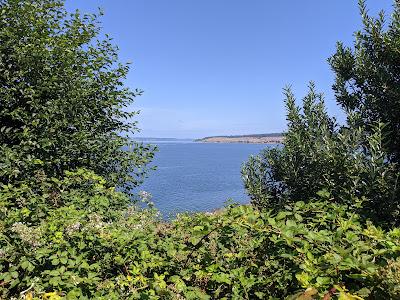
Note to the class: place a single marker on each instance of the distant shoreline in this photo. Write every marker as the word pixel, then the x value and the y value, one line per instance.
pixel 270 138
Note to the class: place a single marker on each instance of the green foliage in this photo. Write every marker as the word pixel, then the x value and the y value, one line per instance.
pixel 71 237
pixel 78 252
pixel 248 254
pixel 368 75
pixel 83 190
pixel 62 97
pixel 318 155
pixel 66 232
pixel 356 161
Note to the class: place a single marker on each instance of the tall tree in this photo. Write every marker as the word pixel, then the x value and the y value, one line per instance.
pixel 368 76
pixel 350 164
pixel 62 96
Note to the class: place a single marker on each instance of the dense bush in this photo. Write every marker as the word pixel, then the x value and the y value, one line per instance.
pixel 368 76
pixel 80 249
pixel 73 237
pixel 318 154
pixel 62 97
pixel 318 248
pixel 357 160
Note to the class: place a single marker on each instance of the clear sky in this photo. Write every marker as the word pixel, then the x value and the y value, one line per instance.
pixel 213 67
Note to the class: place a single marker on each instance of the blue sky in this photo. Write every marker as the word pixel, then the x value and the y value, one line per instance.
pixel 213 67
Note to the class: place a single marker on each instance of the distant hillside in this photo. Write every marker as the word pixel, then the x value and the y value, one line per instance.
pixel 151 139
pixel 265 138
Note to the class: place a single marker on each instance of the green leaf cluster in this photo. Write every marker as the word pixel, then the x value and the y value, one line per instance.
pixel 76 252
pixel 367 83
pixel 62 97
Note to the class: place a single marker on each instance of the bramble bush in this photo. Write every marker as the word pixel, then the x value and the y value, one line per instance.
pixel 72 237
pixel 302 250
pixel 82 250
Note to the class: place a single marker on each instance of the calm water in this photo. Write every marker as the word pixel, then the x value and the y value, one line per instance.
pixel 197 176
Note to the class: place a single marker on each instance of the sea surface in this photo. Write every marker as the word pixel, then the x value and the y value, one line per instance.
pixel 194 176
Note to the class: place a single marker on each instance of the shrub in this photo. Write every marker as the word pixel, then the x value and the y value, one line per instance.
pixel 358 160
pixel 73 237
pixel 368 76
pixel 62 97
pixel 82 250
pixel 318 249
pixel 318 155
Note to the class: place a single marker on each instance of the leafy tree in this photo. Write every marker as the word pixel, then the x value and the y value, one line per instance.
pixel 368 76
pixel 321 157
pixel 62 97
pixel 356 161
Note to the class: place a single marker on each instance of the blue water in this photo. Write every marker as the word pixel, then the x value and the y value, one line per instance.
pixel 197 176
